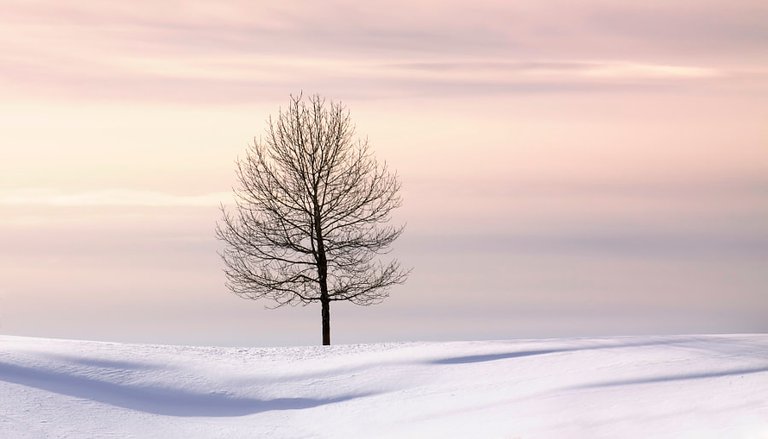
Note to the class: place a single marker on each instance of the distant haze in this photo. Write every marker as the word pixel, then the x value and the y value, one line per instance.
pixel 568 168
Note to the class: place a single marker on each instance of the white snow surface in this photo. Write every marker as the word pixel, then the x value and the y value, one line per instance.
pixel 700 386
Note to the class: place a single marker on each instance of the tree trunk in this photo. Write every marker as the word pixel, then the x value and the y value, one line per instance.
pixel 322 273
pixel 326 321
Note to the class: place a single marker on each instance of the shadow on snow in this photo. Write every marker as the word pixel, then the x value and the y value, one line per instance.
pixel 103 363
pixel 679 377
pixel 155 400
pixel 465 359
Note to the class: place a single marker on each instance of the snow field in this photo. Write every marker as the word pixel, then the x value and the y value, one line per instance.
pixel 713 386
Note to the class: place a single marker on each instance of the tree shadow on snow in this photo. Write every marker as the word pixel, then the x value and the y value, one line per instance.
pixel 679 377
pixel 155 399
pixel 465 359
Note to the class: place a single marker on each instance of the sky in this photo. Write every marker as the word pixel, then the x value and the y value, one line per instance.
pixel 568 168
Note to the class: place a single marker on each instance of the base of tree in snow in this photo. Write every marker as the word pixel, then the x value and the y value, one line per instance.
pixel 713 386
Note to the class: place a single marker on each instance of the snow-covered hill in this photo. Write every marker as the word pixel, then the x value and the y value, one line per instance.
pixel 620 387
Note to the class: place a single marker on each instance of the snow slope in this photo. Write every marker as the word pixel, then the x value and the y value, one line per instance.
pixel 620 387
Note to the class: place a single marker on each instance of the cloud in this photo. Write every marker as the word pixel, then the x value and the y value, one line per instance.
pixel 698 28
pixel 650 242
pixel 109 197
pixel 559 71
pixel 429 26
pixel 235 52
pixel 212 81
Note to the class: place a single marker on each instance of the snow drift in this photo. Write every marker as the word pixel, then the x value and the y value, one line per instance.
pixel 713 386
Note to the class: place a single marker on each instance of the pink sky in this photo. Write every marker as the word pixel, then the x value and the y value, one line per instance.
pixel 569 168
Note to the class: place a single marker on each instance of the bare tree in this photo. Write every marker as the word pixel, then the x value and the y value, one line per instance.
pixel 312 214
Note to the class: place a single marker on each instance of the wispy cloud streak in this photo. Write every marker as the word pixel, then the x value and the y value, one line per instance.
pixel 110 197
